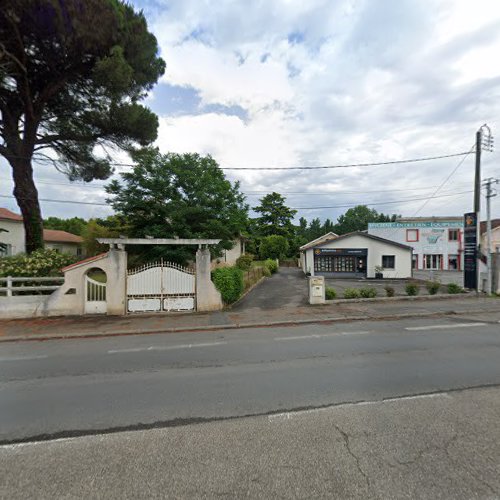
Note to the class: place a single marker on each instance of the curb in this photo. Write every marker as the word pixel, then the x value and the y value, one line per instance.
pixel 403 298
pixel 235 326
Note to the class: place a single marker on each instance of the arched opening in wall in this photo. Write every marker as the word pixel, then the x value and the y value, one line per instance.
pixel 95 291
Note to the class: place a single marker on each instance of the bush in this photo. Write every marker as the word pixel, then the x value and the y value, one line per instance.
pixel 244 262
pixel 433 287
pixel 274 247
pixel 229 282
pixel 412 289
pixel 330 293
pixel 272 265
pixel 351 293
pixel 368 293
pixel 453 288
pixel 44 262
pixel 266 272
pixel 389 291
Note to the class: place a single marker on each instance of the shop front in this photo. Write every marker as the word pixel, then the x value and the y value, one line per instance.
pixel 341 262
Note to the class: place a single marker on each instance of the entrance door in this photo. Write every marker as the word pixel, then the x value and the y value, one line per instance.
pixel 434 262
pixel 95 296
pixel 453 263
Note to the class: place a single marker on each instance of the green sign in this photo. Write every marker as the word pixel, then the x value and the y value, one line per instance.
pixel 411 225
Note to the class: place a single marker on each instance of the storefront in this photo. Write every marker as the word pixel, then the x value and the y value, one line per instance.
pixel 355 255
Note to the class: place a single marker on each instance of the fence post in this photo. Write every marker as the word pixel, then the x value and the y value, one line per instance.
pixel 9 286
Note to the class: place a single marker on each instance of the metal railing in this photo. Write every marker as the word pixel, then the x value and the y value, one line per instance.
pixel 11 286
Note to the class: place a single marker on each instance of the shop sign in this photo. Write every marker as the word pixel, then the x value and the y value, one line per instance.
pixel 470 250
pixel 341 251
pixel 411 225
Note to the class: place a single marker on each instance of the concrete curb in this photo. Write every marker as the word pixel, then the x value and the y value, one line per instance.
pixel 235 326
pixel 404 298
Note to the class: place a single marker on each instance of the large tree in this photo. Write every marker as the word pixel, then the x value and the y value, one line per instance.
pixel 72 73
pixel 358 218
pixel 275 216
pixel 178 195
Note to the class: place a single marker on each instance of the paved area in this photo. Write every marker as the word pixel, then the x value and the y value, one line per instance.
pixel 444 277
pixel 436 447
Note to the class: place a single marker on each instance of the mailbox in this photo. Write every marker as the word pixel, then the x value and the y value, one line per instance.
pixel 316 290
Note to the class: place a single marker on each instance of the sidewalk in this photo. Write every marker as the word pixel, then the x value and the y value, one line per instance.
pixel 96 326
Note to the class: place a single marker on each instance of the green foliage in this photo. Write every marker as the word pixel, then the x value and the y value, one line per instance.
pixel 274 247
pixel 39 263
pixel 330 293
pixel 272 265
pixel 352 293
pixel 244 262
pixel 178 196
pixel 229 282
pixel 389 291
pixel 368 292
pixel 358 218
pixel 453 288
pixel 72 75
pixel 75 225
pixel 412 289
pixel 276 218
pixel 266 271
pixel 433 287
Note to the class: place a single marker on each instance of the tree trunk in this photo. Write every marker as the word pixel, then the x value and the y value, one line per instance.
pixel 27 198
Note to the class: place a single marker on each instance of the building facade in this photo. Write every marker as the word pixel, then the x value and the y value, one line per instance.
pixel 437 242
pixel 356 255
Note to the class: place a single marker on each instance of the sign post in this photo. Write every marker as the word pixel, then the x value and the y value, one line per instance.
pixel 470 251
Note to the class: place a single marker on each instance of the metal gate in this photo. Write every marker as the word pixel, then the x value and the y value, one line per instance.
pixel 161 286
pixel 95 296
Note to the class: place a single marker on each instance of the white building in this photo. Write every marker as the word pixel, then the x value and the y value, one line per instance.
pixel 355 255
pixel 437 242
pixel 13 237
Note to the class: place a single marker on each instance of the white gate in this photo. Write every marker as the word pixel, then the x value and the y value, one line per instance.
pixel 161 286
pixel 95 296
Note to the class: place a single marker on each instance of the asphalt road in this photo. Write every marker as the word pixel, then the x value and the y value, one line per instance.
pixel 72 387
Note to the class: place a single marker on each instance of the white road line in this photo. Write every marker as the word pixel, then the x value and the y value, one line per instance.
pixel 443 327
pixel 320 335
pixel 165 348
pixel 23 358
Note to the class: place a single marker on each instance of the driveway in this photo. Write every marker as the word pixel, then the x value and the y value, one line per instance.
pixel 286 288
pixel 443 277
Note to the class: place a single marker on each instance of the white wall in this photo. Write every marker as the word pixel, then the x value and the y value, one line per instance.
pixel 230 256
pixel 376 249
pixel 495 240
pixel 71 248
pixel 14 237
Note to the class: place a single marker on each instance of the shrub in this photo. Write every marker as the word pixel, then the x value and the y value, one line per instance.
pixel 433 287
pixel 453 288
pixel 412 289
pixel 272 265
pixel 266 272
pixel 351 293
pixel 274 247
pixel 229 282
pixel 330 293
pixel 368 293
pixel 244 262
pixel 43 262
pixel 389 291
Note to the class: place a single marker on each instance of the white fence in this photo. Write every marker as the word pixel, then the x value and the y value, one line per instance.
pixel 11 286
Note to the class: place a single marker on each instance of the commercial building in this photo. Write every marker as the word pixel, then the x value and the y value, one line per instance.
pixel 437 242
pixel 355 255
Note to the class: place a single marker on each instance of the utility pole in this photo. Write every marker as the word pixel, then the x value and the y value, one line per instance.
pixel 489 194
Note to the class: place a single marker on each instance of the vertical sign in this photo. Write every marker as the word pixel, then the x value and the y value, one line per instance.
pixel 470 250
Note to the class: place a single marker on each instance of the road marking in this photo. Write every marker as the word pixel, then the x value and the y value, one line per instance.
pixel 443 327
pixel 320 335
pixel 23 358
pixel 165 348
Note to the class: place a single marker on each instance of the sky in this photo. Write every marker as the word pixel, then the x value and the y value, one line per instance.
pixel 286 83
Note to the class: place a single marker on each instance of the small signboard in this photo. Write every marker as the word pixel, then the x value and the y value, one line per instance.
pixel 341 251
pixel 470 250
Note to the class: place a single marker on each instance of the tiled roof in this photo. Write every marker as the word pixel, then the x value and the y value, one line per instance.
pixel 57 236
pixel 6 214
pixel 494 224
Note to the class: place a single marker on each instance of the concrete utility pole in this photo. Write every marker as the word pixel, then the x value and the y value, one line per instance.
pixel 489 194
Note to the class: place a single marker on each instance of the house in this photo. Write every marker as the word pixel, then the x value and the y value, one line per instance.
pixel 355 255
pixel 13 237
pixel 229 257
pixel 495 236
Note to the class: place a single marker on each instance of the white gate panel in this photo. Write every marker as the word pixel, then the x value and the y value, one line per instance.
pixel 95 297
pixel 136 305
pixel 145 282
pixel 177 282
pixel 179 304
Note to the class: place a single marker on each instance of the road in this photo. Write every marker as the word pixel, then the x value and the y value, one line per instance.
pixel 73 387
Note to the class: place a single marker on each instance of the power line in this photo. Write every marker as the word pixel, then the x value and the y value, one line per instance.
pixel 50 200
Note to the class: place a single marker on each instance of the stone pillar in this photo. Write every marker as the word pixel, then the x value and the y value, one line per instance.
pixel 317 290
pixel 208 298
pixel 116 286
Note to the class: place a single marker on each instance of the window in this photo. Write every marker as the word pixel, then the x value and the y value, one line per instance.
pixel 388 261
pixel 433 262
pixel 6 250
pixel 452 234
pixel 412 235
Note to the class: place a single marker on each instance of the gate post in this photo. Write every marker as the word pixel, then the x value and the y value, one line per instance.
pixel 208 298
pixel 116 288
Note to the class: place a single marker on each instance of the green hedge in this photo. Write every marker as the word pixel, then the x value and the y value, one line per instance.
pixel 272 265
pixel 40 263
pixel 244 262
pixel 229 282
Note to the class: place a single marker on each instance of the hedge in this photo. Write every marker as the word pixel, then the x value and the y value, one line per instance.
pixel 38 264
pixel 229 282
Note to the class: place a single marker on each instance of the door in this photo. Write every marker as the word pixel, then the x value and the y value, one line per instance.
pixel 433 262
pixel 95 296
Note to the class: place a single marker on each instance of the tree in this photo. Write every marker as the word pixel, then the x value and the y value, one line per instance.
pixel 178 195
pixel 276 218
pixel 274 247
pixel 358 218
pixel 72 73
pixel 75 225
